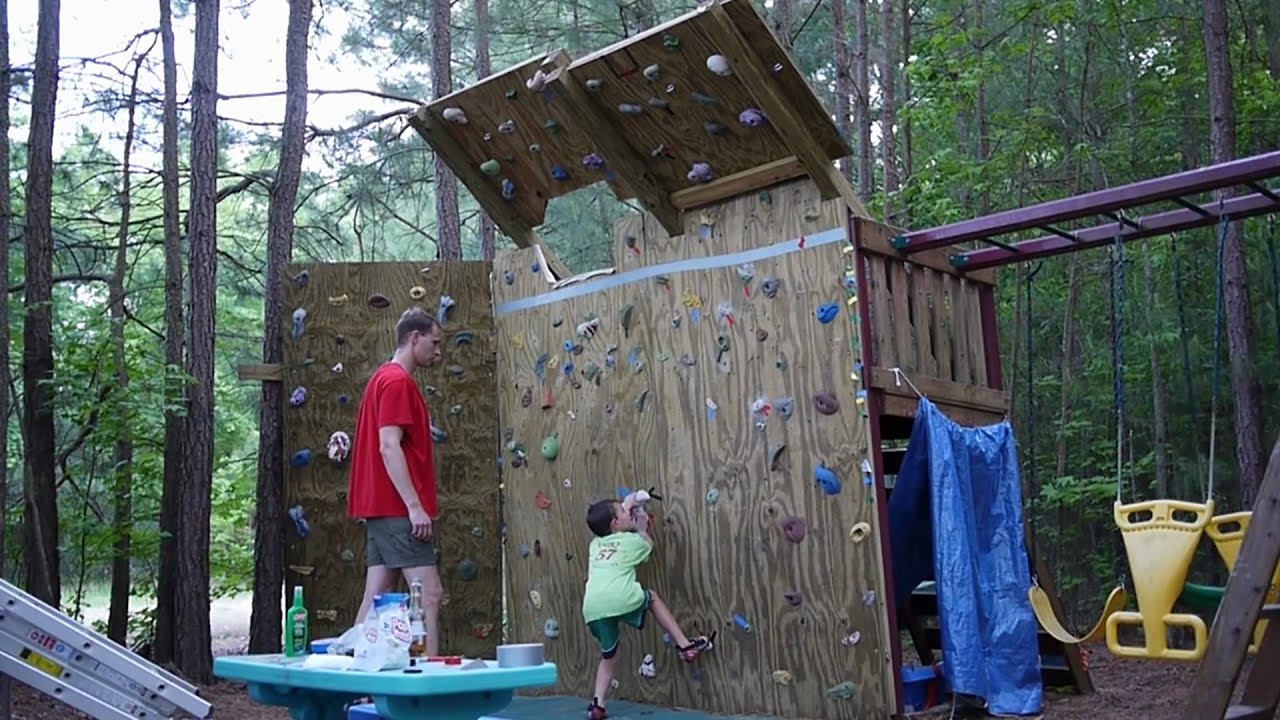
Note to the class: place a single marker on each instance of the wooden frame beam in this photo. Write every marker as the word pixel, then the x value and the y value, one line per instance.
pixel 756 178
pixel 622 158
pixel 435 135
pixel 975 397
pixel 754 76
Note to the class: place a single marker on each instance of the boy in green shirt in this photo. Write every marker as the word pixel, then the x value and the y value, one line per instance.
pixel 614 596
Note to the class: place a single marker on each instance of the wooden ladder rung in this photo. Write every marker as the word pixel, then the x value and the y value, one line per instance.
pixel 1249 712
pixel 1269 612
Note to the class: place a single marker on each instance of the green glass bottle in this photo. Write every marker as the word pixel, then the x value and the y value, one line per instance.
pixel 296 626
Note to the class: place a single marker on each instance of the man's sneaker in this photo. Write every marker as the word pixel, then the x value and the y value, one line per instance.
pixel 595 712
pixel 696 647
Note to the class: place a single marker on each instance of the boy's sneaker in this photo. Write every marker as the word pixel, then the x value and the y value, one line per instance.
pixel 696 647
pixel 595 712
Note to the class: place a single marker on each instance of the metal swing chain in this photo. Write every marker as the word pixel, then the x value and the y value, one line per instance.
pixel 1223 226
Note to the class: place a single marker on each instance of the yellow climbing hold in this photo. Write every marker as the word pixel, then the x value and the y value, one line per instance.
pixel 552 362
pixel 535 597
pixel 417 292
pixel 782 677
pixel 690 300
pixel 859 532
pixel 336 300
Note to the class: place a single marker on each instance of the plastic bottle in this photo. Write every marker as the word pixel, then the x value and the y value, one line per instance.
pixel 296 626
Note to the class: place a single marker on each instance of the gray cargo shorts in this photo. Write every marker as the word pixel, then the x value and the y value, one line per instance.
pixel 390 542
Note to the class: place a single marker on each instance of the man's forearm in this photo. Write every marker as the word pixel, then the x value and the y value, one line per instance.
pixel 398 469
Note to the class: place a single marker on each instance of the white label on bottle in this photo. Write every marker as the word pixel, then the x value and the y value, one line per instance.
pixel 416 628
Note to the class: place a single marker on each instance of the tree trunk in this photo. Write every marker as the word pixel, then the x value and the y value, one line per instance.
pixel 164 647
pixel 6 375
pixel 41 503
pixel 844 75
pixel 862 101
pixel 194 656
pixel 889 105
pixel 904 98
pixel 267 621
pixel 484 66
pixel 1271 35
pixel 1239 315
pixel 448 221
pixel 122 480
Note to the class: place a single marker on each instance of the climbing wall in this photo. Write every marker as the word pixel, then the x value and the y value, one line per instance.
pixel 719 368
pixel 348 331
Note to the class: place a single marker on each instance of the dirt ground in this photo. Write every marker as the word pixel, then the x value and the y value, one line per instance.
pixel 1124 689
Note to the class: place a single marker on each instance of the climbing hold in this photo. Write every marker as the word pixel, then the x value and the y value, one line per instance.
pixel 463 337
pixel 535 597
pixel 594 84
pixel 551 446
pixel 507 127
pixel 299 518
pixel 719 65
pixel 786 406
pixel 858 532
pixel 378 301
pixel 347 555
pixel 558 173
pixel 299 397
pixel 482 630
pixel 343 399
pixel 827 312
pixel 508 277
pixel 417 292
pixel 741 622
pixel 770 287
pixel 551 126
pixel 535 148
pixel 455 410
pixel 793 598
pixel 751 117
pixel 843 691
pixel 526 398
pixel 630 109
pixel 511 94
pixel 537 548
pixel 302 278
pixel 775 456
pixel 438 434
pixel 477 531
pixel 652 72
pixel 762 334
pixel 760 411
pixel 446 304
pixel 340 339
pixel 782 677
pixel 826 479
pixel 541 500
pixel 713 496
pixel 625 317
pixel 635 361
pixel 826 403
pixel 640 400
pixel 851 639
pixel 715 129
pixel 490 167
pixel 648 668
pixel 548 400
pixel 592 373
pixel 299 322
pixel 525 550
pixel 593 161
pixel 701 172
pixel 794 528
pixel 551 628
pixel 455 115
pixel 468 570
pixel 869 598
pixel 456 370
pixel 670 42
pixel 567 483
pixel 537 82
pixel 688 360
pixel 659 103
pixel 508 189
pixel 703 98
pixel 339 446
pixel 588 328
pixel 711 409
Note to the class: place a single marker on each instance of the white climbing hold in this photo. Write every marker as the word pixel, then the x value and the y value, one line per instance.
pixel 648 668
pixel 535 597
pixel 719 65
pixel 339 446
pixel 455 115
pixel 537 82
pixel 337 369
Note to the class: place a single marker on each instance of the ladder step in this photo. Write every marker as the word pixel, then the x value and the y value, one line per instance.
pixel 1249 712
pixel 1270 611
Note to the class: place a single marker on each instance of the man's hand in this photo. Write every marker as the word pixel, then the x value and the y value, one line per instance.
pixel 421 523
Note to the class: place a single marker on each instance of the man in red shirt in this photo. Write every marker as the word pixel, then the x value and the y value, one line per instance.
pixel 393 476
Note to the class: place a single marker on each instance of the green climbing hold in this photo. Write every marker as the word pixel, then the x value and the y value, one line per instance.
pixel 843 691
pixel 626 320
pixel 490 167
pixel 511 94
pixel 551 446
pixel 670 42
pixel 468 570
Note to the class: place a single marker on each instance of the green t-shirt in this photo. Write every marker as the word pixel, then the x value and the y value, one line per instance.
pixel 612 588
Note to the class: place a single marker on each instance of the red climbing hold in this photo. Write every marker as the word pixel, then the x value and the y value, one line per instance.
pixel 548 401
pixel 795 528
pixel 826 403
pixel 541 500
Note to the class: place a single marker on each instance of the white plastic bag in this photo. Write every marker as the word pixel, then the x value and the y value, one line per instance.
pixel 383 642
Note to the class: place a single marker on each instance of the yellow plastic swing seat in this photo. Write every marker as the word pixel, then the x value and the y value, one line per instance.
pixel 1160 548
pixel 1227 533
pixel 1049 621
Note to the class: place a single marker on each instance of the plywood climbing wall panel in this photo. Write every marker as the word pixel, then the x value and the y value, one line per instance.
pixel 662 395
pixel 341 327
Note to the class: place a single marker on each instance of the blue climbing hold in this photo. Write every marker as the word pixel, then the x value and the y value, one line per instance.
pixel 568 369
pixel 559 173
pixel 299 323
pixel 508 189
pixel 299 518
pixel 826 479
pixel 623 492
pixel 742 622
pixel 302 458
pixel 827 313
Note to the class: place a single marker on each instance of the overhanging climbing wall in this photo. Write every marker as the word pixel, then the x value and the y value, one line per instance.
pixel 664 394
pixel 342 326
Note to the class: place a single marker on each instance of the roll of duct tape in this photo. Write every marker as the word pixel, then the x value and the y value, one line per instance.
pixel 522 655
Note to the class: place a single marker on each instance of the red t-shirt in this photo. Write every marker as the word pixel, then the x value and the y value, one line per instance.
pixel 391 398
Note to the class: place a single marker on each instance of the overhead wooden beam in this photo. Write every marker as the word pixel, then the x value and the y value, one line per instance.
pixel 434 133
pixel 755 77
pixel 620 156
pixel 942 391
pixel 758 177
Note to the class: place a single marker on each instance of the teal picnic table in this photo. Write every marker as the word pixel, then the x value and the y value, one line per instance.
pixel 436 692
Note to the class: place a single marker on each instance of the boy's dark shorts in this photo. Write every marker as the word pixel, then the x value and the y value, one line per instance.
pixel 606 629
pixel 390 542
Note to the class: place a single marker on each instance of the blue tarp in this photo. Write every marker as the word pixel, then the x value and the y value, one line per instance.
pixel 955 517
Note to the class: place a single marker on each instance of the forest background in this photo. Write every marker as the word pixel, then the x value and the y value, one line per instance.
pixel 161 163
